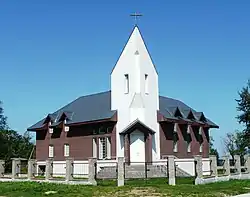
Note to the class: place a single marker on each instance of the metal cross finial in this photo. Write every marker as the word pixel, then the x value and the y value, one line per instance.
pixel 136 15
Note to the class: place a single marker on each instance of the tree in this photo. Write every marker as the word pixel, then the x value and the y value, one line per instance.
pixel 3 119
pixel 212 149
pixel 13 144
pixel 244 109
pixel 235 144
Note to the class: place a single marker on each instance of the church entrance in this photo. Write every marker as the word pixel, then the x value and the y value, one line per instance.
pixel 137 142
pixel 137 147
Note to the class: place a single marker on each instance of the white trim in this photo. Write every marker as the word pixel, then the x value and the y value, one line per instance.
pixel 189 147
pixel 175 146
pixel 176 127
pixel 189 129
pixel 200 130
pixel 201 148
pixel 108 143
pixel 94 144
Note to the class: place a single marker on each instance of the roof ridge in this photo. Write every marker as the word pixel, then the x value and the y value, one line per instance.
pixel 94 94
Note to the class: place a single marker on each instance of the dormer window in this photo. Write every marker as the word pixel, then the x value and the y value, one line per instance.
pixel 178 113
pixel 126 84
pixel 146 84
pixel 191 115
pixel 50 129
pixel 203 118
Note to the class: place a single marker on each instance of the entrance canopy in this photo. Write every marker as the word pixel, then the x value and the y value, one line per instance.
pixel 137 124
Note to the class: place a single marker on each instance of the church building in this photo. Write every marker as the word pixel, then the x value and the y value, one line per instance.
pixel 130 120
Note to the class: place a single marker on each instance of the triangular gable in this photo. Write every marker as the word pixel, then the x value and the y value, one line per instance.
pixel 135 34
pixel 66 115
pixel 49 118
pixel 135 124
pixel 191 115
pixel 202 118
pixel 178 113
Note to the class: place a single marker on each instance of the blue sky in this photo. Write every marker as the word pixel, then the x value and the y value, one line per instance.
pixel 52 52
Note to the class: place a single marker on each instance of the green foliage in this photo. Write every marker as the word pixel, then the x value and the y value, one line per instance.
pixel 3 119
pixel 235 143
pixel 138 188
pixel 244 109
pixel 13 144
pixel 212 149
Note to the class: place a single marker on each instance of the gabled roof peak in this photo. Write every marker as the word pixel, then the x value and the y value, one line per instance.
pixel 134 41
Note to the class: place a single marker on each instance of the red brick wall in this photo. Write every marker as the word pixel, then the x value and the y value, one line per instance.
pixel 166 141
pixel 79 138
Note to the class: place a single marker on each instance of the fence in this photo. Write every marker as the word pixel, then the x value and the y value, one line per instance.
pixel 89 172
pixel 223 169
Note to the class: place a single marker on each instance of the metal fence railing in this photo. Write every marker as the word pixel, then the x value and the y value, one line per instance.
pixel 106 170
pixel 145 170
pixel 80 170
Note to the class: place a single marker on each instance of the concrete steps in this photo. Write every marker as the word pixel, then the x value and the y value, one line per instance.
pixel 139 171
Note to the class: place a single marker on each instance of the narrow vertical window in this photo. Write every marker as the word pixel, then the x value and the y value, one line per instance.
pixel 188 129
pixel 102 148
pixel 175 142
pixel 66 150
pixel 200 139
pixel 51 151
pixel 108 139
pixel 146 84
pixel 201 148
pixel 126 85
pixel 94 148
pixel 175 146
pixel 188 146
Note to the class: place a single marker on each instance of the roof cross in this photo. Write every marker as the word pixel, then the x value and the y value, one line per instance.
pixel 136 15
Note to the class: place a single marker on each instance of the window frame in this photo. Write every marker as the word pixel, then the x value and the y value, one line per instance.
pixel 53 151
pixel 65 150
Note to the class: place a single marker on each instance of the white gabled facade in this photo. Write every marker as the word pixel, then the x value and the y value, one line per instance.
pixel 135 92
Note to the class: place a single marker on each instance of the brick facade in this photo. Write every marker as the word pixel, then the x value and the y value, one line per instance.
pixel 167 139
pixel 79 138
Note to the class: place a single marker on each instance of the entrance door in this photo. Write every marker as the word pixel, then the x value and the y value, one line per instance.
pixel 137 147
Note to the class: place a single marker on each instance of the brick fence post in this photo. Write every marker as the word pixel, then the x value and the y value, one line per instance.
pixel 48 169
pixel 120 171
pixel 171 170
pixel 2 168
pixel 69 169
pixel 16 167
pixel 198 169
pixel 31 168
pixel 237 164
pixel 247 163
pixel 226 165
pixel 213 165
pixel 92 171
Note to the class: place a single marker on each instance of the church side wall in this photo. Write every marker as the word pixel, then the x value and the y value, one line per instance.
pixel 79 139
pixel 166 142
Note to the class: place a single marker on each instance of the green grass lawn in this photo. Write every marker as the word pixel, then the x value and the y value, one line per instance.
pixel 152 188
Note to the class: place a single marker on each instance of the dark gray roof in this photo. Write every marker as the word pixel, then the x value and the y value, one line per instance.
pixel 98 106
pixel 86 108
